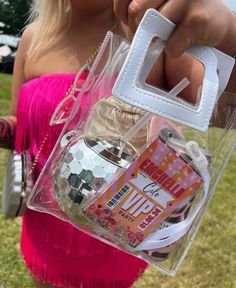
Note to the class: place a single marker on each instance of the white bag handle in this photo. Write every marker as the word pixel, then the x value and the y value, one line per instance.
pixel 131 87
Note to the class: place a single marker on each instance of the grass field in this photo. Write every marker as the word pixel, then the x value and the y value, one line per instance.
pixel 211 262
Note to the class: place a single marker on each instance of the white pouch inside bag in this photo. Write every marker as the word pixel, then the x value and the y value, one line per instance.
pixel 135 165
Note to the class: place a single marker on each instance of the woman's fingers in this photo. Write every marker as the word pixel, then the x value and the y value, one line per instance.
pixel 121 9
pixel 180 40
pixel 137 9
pixel 196 22
pixel 174 10
pixel 194 25
pixel 178 43
pixel 131 12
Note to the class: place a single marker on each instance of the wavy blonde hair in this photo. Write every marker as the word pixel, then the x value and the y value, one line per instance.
pixel 53 17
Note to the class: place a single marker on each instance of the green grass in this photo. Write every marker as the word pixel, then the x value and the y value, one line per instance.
pixel 5 85
pixel 211 261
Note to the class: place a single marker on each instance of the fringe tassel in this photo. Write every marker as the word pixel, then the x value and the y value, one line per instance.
pixel 54 251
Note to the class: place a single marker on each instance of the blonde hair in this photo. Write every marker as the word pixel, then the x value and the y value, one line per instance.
pixel 52 17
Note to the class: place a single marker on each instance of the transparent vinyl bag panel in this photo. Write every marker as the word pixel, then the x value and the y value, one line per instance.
pixel 129 178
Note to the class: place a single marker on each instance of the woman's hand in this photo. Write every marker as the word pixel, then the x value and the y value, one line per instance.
pixel 7 132
pixel 130 12
pixel 207 22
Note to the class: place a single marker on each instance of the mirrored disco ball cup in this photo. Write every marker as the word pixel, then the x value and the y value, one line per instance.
pixel 85 167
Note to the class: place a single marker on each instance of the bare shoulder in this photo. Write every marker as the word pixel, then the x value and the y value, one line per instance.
pixel 26 38
pixel 19 75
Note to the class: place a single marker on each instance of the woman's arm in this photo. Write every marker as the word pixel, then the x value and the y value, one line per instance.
pixel 8 123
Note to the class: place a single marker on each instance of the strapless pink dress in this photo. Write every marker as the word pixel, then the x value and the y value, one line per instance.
pixel 54 251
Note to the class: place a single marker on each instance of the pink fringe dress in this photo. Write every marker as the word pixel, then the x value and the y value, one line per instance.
pixel 54 251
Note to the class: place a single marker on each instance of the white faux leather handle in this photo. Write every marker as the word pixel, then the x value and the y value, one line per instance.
pixel 131 87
